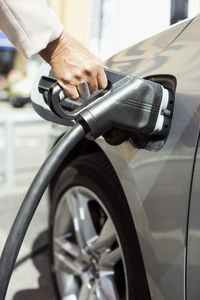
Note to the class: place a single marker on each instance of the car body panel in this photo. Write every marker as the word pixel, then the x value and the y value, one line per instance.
pixel 132 58
pixel 193 253
pixel 157 184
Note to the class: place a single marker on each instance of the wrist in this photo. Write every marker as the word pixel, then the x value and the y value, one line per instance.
pixel 54 47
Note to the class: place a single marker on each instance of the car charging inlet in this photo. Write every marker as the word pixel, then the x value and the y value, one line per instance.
pixel 129 106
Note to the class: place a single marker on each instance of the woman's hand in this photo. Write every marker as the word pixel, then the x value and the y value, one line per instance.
pixel 73 64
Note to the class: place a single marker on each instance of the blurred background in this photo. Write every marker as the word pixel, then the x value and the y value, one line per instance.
pixel 105 27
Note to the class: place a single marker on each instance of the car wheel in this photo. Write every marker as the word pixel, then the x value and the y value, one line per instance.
pixel 91 233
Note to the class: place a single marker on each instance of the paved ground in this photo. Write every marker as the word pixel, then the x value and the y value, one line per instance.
pixel 31 279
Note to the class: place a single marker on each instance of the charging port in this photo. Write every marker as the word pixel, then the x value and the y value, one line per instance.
pixel 156 141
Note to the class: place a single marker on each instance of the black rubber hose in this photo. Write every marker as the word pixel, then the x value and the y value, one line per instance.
pixel 31 201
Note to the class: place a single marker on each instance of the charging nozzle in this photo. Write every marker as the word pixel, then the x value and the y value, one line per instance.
pixel 132 105
pixel 128 106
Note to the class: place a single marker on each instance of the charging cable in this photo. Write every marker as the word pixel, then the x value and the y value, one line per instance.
pixel 31 201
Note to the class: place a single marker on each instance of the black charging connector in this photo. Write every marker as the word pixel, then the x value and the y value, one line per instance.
pixel 128 107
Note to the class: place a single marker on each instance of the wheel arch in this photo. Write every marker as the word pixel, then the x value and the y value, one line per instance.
pixel 82 148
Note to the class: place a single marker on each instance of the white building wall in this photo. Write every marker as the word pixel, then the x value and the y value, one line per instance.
pixel 126 22
pixel 193 7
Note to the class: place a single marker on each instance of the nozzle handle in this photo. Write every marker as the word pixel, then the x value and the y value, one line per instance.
pixel 84 90
pixel 69 109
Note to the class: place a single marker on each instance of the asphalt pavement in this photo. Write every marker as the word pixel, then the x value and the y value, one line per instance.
pixel 31 278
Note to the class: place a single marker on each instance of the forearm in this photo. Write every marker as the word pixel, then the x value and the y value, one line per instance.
pixel 29 24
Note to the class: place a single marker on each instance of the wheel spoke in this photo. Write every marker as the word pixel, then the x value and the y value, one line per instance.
pixel 108 260
pixel 87 224
pixel 71 264
pixel 93 296
pixel 67 246
pixel 106 288
pixel 68 286
pixel 106 238
pixel 82 220
pixel 84 292
pixel 74 209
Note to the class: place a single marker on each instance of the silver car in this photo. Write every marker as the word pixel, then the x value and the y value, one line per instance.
pixel 125 220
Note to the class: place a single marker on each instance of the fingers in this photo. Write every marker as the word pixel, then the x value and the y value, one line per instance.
pixel 97 78
pixel 102 79
pixel 71 81
pixel 70 90
pixel 93 84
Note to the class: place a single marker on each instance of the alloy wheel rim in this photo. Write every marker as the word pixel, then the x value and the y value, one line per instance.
pixel 86 250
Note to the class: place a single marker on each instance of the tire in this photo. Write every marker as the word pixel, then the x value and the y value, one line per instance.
pixel 92 237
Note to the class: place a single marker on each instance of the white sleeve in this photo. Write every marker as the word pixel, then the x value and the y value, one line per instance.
pixel 29 24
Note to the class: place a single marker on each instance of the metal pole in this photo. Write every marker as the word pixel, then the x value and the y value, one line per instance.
pixel 9 152
pixel 179 10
